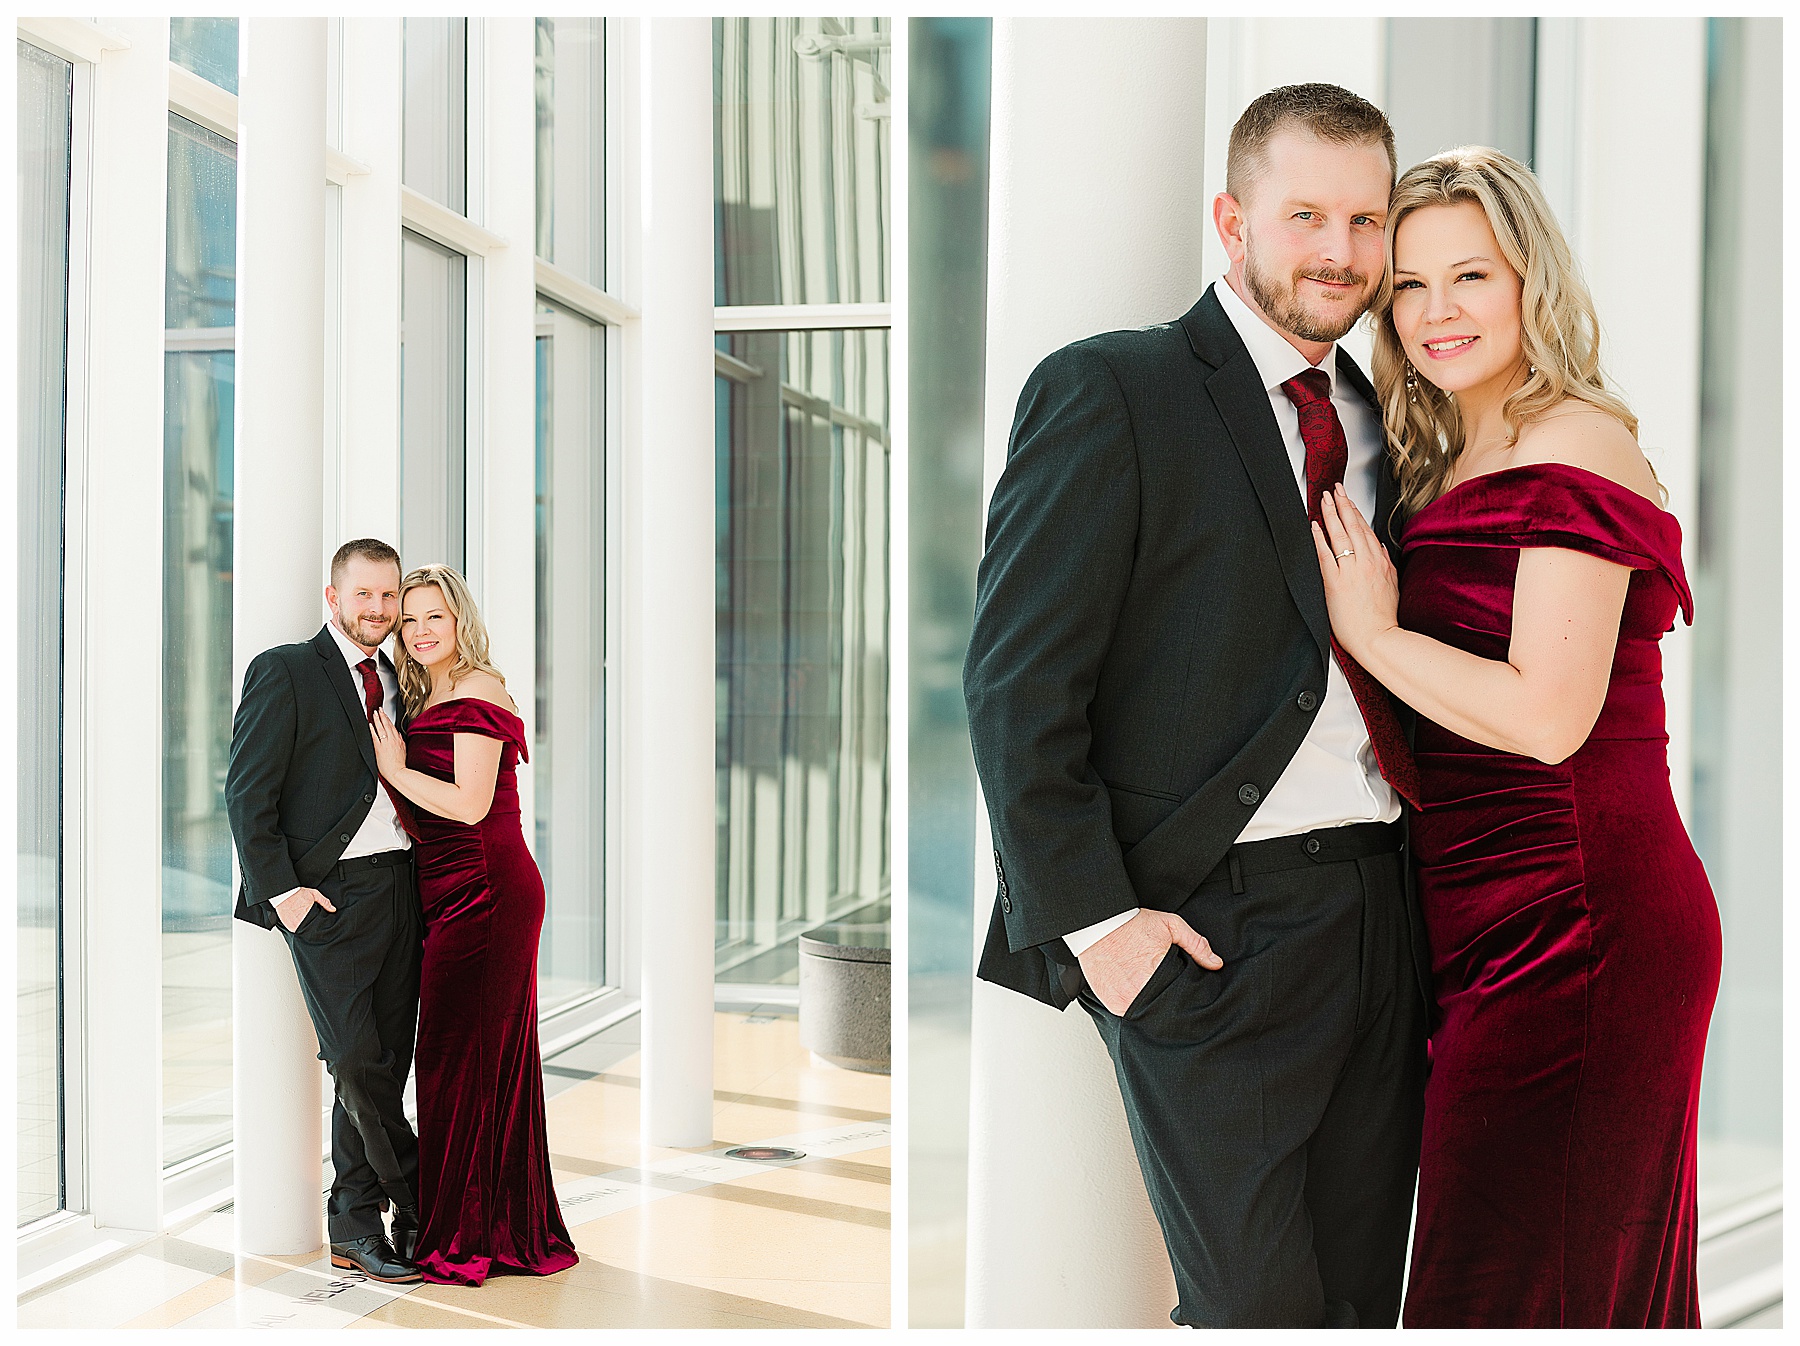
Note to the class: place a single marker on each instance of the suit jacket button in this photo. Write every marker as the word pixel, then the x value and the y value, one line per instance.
pixel 1308 701
pixel 1248 794
pixel 345 838
pixel 368 799
pixel 1005 902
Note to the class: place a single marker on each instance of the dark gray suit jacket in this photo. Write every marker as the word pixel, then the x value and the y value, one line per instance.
pixel 1150 633
pixel 302 773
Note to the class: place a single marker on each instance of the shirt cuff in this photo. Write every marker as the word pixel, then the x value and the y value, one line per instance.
pixel 1080 941
pixel 282 897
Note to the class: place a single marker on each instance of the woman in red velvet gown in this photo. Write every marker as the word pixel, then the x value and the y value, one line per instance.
pixel 486 1204
pixel 1574 938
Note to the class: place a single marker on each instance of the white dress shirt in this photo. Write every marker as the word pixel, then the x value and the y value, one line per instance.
pixel 1332 780
pixel 381 830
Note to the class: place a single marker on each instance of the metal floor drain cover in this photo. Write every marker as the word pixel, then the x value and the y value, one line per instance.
pixel 765 1154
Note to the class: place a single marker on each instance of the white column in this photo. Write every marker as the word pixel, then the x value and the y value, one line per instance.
pixel 505 493
pixel 279 579
pixel 1097 214
pixel 368 462
pixel 669 640
pixel 120 608
pixel 1640 188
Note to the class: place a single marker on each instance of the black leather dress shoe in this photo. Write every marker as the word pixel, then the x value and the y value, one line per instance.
pixel 375 1257
pixel 404 1232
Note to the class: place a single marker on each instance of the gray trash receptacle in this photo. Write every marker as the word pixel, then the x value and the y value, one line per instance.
pixel 844 998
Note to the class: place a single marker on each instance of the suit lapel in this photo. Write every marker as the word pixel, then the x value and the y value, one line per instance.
pixel 338 674
pixel 1243 404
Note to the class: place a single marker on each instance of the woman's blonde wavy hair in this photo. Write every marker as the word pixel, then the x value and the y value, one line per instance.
pixel 1558 326
pixel 471 636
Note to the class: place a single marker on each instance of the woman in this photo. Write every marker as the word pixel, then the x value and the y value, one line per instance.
pixel 485 1198
pixel 1574 937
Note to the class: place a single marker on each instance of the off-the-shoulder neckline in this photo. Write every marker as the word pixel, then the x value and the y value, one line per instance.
pixel 1603 479
pixel 451 701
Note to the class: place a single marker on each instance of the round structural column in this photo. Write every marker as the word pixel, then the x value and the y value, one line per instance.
pixel 279 579
pixel 670 693
pixel 1097 219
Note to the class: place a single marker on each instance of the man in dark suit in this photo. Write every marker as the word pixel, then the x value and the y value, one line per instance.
pixel 1195 800
pixel 326 861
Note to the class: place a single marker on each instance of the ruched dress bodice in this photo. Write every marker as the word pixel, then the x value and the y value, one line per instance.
pixel 1574 940
pixel 486 1199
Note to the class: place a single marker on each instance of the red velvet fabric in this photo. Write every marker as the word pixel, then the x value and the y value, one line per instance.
pixel 486 1203
pixel 1575 947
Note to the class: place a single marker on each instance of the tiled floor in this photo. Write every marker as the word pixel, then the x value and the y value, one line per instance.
pixel 668 1238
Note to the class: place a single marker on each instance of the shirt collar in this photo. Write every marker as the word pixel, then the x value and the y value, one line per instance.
pixel 353 654
pixel 1274 355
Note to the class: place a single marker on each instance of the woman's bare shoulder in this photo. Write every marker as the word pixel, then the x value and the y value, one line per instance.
pixel 481 686
pixel 1576 434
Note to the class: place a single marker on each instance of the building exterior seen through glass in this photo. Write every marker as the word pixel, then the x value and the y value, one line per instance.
pixel 45 94
pixel 572 748
pixel 199 294
pixel 208 47
pixel 433 373
pixel 802 640
pixel 571 147
pixel 801 164
pixel 802 139
pixel 434 159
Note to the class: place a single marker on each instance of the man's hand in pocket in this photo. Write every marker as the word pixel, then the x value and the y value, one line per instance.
pixel 1117 967
pixel 292 909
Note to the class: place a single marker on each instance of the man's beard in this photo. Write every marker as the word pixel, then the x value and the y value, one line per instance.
pixel 1283 306
pixel 353 629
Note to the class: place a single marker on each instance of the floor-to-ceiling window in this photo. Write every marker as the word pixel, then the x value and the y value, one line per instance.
pixel 199 294
pixel 46 103
pixel 434 296
pixel 572 748
pixel 801 172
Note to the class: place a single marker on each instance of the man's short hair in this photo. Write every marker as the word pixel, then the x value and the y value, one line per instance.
pixel 368 548
pixel 1324 110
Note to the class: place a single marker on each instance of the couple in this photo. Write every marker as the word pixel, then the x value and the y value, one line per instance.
pixel 331 860
pixel 1191 664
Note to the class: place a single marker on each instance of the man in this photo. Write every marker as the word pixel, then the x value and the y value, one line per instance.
pixel 326 861
pixel 1193 833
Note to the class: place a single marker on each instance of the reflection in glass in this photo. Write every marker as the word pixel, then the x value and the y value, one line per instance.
pixel 44 91
pixel 571 147
pixel 800 165
pixel 434 117
pixel 208 47
pixel 568 752
pixel 200 296
pixel 432 383
pixel 802 640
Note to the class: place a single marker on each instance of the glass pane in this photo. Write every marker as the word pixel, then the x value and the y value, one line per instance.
pixel 44 109
pixel 571 146
pixel 197 540
pixel 208 47
pixel 434 120
pixel 800 168
pixel 432 373
pixel 568 754
pixel 200 278
pixel 802 643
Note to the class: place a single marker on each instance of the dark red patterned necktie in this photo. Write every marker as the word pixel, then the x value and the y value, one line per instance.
pixel 372 698
pixel 1327 455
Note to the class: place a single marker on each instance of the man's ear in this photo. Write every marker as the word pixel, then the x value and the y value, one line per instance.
pixel 1228 219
